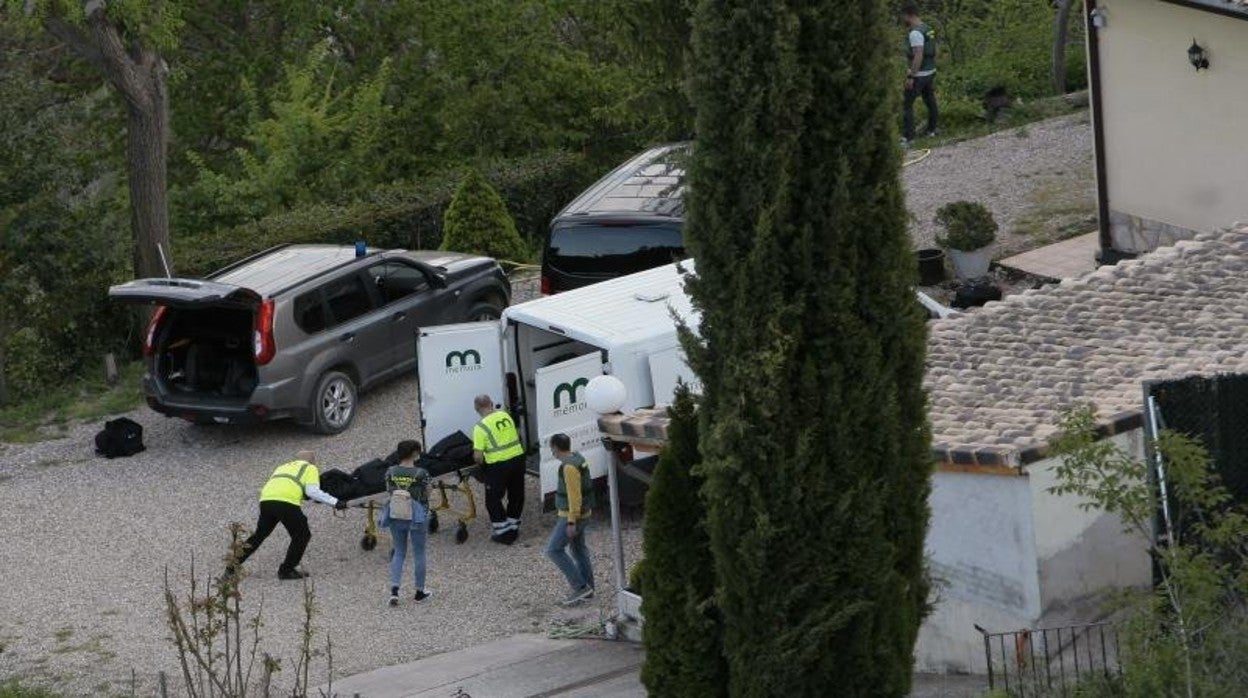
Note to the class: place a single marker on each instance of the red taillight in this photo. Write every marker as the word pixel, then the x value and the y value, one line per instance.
pixel 262 340
pixel 546 285
pixel 149 337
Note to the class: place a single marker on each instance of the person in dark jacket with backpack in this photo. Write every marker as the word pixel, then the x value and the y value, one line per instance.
pixel 920 48
pixel 574 500
pixel 407 515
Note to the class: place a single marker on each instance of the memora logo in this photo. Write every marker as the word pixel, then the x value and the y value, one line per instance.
pixel 460 361
pixel 568 390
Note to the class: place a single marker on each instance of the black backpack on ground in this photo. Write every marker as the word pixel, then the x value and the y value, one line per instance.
pixel 121 437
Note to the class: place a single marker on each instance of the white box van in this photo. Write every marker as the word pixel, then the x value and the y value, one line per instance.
pixel 540 355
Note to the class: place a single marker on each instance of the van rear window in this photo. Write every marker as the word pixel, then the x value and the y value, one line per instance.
pixel 613 249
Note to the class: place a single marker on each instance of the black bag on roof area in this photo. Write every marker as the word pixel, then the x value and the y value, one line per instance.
pixel 120 437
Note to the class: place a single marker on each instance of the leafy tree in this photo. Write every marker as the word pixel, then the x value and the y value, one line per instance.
pixel 812 426
pixel 313 143
pixel 1186 636
pixel 477 221
pixel 123 40
pixel 682 630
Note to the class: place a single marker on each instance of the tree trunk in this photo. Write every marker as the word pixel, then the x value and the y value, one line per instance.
pixel 147 141
pixel 1061 32
pixel 138 74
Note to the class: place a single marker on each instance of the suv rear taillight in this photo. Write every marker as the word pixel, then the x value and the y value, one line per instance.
pixel 263 344
pixel 546 285
pixel 149 337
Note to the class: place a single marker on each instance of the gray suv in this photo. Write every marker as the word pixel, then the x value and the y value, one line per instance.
pixel 299 330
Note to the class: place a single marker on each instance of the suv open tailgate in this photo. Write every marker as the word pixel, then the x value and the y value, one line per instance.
pixel 184 293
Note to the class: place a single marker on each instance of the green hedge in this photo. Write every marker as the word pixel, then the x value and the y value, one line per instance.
pixel 405 215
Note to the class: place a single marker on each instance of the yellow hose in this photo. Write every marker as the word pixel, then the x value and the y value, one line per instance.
pixel 923 156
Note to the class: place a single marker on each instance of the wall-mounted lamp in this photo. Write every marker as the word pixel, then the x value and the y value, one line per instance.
pixel 1196 56
pixel 1098 17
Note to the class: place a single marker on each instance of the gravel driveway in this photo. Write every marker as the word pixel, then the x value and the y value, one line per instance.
pixel 1037 180
pixel 81 579
pixel 81 591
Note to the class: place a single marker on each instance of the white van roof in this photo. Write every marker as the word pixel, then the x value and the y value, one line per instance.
pixel 626 310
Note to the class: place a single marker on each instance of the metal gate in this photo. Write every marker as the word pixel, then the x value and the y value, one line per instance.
pixel 1050 661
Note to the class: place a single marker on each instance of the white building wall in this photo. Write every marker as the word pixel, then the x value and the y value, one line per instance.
pixel 1176 158
pixel 981 550
pixel 1082 552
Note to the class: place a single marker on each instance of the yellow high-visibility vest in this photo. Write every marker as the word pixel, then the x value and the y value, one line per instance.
pixel 288 481
pixel 496 437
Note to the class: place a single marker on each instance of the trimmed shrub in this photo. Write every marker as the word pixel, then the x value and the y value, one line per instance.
pixel 677 575
pixel 968 226
pixel 477 222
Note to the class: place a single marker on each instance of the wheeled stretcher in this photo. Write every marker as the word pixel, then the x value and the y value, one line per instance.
pixel 365 487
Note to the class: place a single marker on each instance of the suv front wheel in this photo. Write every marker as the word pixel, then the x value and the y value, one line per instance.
pixel 333 403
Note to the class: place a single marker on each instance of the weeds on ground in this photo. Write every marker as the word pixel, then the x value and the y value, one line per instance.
pixel 218 646
pixel 1189 635
pixel 84 400
pixel 14 689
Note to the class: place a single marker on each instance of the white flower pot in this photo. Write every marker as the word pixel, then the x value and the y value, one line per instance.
pixel 970 264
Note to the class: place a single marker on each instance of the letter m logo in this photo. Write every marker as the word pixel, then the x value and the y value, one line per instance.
pixel 570 389
pixel 462 358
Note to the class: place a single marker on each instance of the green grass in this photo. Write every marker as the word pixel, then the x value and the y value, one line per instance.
pixel 962 119
pixel 13 689
pixel 42 418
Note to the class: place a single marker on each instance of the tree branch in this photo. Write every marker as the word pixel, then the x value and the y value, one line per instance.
pixel 121 69
pixel 77 41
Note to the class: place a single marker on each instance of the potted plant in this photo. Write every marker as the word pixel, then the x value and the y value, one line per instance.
pixel 969 230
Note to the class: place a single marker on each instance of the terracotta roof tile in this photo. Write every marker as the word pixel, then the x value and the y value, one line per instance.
pixel 1001 376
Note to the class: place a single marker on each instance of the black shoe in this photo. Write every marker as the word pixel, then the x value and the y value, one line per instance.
pixel 422 595
pixel 292 574
pixel 509 537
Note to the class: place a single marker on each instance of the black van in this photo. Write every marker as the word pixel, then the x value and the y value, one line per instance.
pixel 628 221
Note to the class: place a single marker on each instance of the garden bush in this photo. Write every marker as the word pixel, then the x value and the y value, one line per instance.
pixel 968 226
pixel 477 222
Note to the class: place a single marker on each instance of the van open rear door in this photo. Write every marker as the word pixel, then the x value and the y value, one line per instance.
pixel 454 364
pixel 560 407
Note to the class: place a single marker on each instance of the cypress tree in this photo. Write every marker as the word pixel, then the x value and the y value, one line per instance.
pixel 812 426
pixel 477 222
pixel 681 632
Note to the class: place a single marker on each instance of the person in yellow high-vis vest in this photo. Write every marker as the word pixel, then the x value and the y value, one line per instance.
pixel 496 447
pixel 280 502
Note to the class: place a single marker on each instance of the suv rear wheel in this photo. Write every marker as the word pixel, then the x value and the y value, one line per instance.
pixel 484 311
pixel 333 403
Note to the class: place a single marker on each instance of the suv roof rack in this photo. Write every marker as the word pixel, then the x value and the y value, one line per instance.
pixel 328 270
pixel 247 260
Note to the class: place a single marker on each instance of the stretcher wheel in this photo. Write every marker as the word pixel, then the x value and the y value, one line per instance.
pixel 461 533
pixel 368 542
pixel 433 522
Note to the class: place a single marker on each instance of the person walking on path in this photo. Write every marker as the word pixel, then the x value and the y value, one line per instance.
pixel 497 448
pixel 574 500
pixel 920 73
pixel 280 502
pixel 407 516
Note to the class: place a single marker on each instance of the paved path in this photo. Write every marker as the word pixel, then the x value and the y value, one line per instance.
pixel 1061 260
pixel 533 666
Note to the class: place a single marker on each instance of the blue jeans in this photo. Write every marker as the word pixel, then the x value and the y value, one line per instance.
pixel 576 567
pixel 400 533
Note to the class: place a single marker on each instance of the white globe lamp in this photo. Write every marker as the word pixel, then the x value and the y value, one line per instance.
pixel 606 394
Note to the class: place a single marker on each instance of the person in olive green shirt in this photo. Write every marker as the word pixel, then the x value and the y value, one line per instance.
pixel 496 447
pixel 574 500
pixel 280 499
